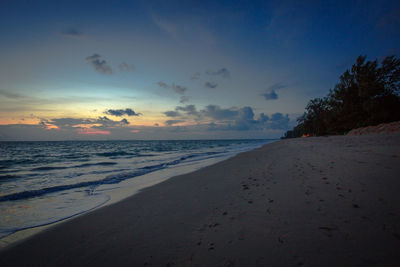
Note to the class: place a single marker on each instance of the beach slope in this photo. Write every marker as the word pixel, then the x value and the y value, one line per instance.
pixel 322 201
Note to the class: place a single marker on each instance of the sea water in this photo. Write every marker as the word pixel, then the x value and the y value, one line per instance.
pixel 45 182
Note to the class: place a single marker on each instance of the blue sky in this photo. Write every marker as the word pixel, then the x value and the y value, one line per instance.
pixel 188 69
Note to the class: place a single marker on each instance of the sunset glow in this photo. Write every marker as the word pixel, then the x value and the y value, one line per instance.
pixel 205 70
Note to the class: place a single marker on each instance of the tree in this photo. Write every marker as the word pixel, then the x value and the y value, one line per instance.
pixel 314 120
pixel 367 94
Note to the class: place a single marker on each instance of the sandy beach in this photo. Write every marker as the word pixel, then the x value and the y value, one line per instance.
pixel 321 201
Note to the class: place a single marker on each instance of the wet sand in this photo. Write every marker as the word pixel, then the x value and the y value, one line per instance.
pixel 325 201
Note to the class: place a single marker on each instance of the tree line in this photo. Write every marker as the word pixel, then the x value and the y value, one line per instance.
pixel 367 94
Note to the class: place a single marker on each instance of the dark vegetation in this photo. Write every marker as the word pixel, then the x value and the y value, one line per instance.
pixel 367 94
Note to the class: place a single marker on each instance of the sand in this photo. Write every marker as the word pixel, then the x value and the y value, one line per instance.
pixel 321 201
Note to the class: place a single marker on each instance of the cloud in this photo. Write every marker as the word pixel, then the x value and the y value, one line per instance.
pixel 10 94
pixel 100 122
pixel 242 123
pixel 172 122
pixel 71 32
pixel 163 85
pixel 179 89
pixel 271 95
pixel 172 113
pixel 215 112
pixel 99 64
pixel 234 119
pixel 125 67
pixel 188 109
pixel 125 121
pixel 105 122
pixel 211 85
pixel 263 117
pixel 184 99
pixel 66 122
pixel 279 121
pixel 122 112
pixel 223 72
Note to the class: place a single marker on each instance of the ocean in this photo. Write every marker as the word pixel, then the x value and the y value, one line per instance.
pixel 46 182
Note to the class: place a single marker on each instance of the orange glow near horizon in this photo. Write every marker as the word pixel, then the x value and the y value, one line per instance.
pixel 90 131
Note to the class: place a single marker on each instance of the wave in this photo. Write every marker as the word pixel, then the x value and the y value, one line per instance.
pixel 8 231
pixel 95 164
pixel 115 154
pixel 112 179
pixel 8 176
pixel 50 168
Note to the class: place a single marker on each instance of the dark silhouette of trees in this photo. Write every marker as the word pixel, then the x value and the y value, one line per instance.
pixel 367 94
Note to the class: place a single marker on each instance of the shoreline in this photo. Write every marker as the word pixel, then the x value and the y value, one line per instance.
pixel 296 201
pixel 127 189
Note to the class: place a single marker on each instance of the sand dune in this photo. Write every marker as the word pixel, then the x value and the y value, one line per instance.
pixel 322 201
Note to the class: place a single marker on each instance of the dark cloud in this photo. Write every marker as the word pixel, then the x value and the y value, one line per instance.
pixel 172 122
pixel 122 112
pixel 179 89
pixel 163 85
pixel 195 76
pixel 211 85
pixel 125 121
pixel 224 72
pixel 125 67
pixel 236 119
pixel 172 114
pixel 271 95
pixel 184 99
pixel 263 118
pixel 215 112
pixel 72 32
pixel 188 109
pixel 104 122
pixel 99 64
pixel 10 94
pixel 66 122
pixel 279 121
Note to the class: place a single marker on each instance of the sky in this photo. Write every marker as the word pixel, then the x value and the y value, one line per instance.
pixel 104 70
